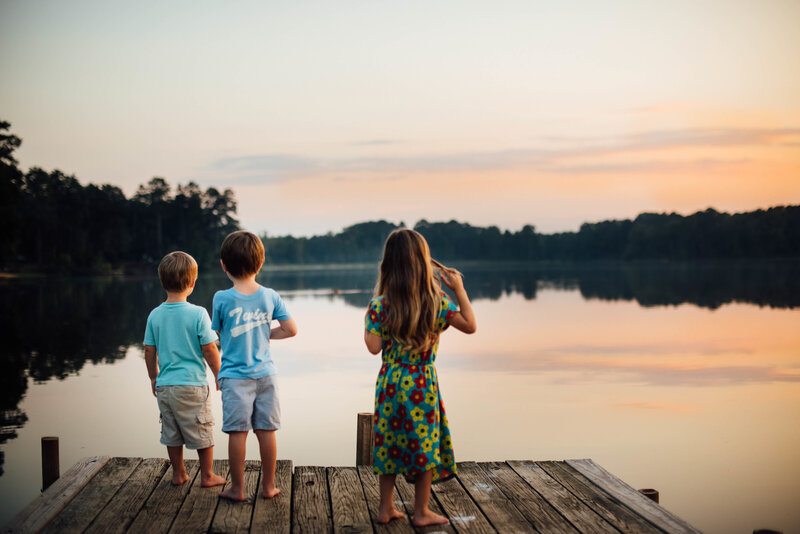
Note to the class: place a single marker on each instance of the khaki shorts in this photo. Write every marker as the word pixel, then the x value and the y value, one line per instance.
pixel 186 417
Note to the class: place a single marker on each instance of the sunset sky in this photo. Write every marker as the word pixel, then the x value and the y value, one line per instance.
pixel 323 114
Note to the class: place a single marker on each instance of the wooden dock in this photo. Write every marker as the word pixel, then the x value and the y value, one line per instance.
pixel 109 495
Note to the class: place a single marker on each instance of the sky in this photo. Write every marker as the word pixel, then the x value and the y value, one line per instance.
pixel 323 114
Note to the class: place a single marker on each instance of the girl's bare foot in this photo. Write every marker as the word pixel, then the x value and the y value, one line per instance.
pixel 212 480
pixel 179 478
pixel 385 517
pixel 269 493
pixel 428 518
pixel 233 495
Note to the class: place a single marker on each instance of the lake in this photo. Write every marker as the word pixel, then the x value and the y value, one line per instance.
pixel 680 377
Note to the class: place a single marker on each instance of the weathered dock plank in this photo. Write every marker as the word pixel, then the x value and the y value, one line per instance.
pixel 598 500
pixel 133 495
pixel 536 509
pixel 632 498
pixel 161 508
pixel 484 490
pixel 235 517
pixel 77 515
pixel 274 515
pixel 123 508
pixel 348 503
pixel 462 511
pixel 311 511
pixel 576 511
pixel 200 504
pixel 44 508
pixel 369 483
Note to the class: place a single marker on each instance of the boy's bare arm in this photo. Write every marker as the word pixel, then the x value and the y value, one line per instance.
pixel 287 328
pixel 211 354
pixel 151 359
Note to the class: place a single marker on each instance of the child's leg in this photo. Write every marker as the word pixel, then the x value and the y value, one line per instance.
pixel 269 454
pixel 387 511
pixel 422 494
pixel 208 476
pixel 179 475
pixel 237 447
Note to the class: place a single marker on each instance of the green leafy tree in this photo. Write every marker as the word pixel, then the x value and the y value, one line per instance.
pixel 10 186
pixel 153 199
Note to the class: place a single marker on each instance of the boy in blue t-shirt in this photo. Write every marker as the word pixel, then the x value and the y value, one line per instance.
pixel 178 340
pixel 243 316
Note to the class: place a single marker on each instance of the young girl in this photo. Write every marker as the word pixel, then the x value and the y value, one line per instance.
pixel 404 320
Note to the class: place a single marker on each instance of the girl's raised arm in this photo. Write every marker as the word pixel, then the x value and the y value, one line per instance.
pixel 464 319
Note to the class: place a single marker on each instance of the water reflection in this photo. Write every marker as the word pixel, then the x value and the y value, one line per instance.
pixel 706 284
pixel 54 326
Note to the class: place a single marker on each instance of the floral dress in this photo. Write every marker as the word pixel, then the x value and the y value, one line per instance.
pixel 411 432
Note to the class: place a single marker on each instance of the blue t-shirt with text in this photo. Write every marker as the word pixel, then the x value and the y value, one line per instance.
pixel 177 330
pixel 244 324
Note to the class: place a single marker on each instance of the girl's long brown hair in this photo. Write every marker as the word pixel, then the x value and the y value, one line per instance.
pixel 411 292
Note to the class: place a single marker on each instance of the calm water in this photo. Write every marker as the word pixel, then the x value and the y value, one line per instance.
pixel 685 378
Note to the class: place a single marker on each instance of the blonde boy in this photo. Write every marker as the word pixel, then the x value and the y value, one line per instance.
pixel 243 316
pixel 178 341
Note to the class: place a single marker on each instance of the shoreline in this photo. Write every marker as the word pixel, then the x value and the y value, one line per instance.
pixel 290 267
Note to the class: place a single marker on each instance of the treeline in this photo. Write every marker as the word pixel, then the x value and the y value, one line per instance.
pixel 51 222
pixel 709 234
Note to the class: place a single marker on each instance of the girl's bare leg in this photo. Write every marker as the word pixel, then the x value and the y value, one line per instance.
pixel 422 494
pixel 387 511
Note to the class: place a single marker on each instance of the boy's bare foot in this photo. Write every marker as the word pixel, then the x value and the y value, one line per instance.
pixel 270 493
pixel 232 495
pixel 428 518
pixel 385 517
pixel 179 478
pixel 212 480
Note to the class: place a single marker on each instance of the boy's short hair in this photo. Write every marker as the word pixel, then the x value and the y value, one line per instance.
pixel 242 253
pixel 177 271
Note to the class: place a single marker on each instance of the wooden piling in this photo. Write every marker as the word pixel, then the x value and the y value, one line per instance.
pixel 50 467
pixel 364 439
pixel 650 493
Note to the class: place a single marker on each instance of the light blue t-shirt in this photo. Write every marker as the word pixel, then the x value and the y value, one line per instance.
pixel 243 322
pixel 177 330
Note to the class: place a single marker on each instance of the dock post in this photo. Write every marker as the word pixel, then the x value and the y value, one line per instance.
pixel 364 439
pixel 50 468
pixel 650 493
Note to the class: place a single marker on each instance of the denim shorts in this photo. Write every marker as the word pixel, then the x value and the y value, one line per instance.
pixel 186 417
pixel 250 404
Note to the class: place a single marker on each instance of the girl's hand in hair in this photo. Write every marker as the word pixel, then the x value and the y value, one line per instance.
pixel 452 279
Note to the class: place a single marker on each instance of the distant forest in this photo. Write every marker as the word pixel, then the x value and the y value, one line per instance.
pixel 709 234
pixel 53 223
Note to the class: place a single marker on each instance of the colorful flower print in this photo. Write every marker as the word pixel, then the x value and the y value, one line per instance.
pixel 417 414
